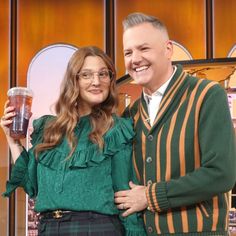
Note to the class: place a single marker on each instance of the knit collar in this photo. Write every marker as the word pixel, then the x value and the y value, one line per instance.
pixel 160 91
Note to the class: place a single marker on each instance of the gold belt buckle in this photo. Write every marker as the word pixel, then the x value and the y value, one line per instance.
pixel 57 214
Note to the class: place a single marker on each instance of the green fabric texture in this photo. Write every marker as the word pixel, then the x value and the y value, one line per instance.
pixel 187 158
pixel 84 182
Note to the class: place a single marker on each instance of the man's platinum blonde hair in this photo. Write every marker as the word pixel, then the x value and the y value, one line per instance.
pixel 138 18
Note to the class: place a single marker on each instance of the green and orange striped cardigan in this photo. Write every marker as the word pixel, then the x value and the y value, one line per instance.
pixel 187 158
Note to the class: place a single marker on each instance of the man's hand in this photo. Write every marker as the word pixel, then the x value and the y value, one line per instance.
pixel 133 200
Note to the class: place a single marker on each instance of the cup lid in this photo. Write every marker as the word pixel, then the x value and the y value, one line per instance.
pixel 20 91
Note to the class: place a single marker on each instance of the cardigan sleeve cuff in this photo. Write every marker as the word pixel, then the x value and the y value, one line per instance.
pixel 156 194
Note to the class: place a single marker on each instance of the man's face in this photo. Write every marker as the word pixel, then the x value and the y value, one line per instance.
pixel 147 54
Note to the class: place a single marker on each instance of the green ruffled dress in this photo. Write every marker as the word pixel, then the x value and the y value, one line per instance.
pixel 84 182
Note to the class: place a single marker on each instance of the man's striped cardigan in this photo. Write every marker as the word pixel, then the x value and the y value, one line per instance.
pixel 187 158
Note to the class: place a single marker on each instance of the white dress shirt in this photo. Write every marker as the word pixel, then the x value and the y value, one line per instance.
pixel 153 101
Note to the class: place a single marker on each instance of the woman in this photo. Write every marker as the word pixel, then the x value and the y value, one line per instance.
pixel 80 157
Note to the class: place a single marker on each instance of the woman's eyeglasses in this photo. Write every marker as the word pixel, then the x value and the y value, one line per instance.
pixel 103 75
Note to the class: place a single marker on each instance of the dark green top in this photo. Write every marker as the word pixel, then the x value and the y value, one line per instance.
pixel 84 182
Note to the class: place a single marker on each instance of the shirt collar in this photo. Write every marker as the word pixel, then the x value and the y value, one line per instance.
pixel 160 91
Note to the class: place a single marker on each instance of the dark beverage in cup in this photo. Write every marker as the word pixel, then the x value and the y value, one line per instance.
pixel 21 99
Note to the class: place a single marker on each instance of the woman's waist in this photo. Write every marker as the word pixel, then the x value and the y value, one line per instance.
pixel 58 214
pixel 100 206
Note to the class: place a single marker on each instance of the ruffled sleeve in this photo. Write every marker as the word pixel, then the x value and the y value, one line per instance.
pixel 18 174
pixel 24 171
pixel 38 126
pixel 23 174
pixel 119 144
pixel 120 135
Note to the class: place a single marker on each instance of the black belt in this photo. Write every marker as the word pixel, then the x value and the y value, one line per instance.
pixel 57 214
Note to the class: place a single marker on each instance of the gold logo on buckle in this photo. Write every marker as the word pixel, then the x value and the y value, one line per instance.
pixel 57 214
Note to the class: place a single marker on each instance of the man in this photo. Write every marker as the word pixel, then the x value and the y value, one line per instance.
pixel 184 151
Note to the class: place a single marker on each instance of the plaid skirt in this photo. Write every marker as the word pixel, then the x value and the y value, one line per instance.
pixel 81 224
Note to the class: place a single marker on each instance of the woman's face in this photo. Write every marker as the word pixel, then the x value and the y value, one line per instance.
pixel 94 83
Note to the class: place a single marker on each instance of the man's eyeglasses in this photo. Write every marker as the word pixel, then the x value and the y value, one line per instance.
pixel 103 75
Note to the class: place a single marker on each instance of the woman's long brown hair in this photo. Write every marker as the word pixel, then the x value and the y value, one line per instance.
pixel 67 106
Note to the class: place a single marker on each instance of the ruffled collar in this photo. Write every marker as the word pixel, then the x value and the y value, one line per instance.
pixel 87 153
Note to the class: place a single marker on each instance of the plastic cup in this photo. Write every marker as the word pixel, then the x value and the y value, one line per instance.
pixel 21 99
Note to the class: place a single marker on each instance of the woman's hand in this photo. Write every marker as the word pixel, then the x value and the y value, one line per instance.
pixel 6 120
pixel 15 145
